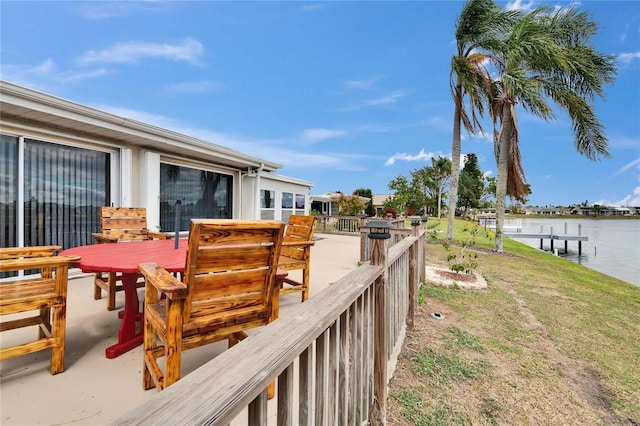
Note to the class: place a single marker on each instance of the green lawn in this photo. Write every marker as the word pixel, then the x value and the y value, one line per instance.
pixel 550 342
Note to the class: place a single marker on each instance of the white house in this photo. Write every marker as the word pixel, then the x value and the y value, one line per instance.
pixel 61 161
pixel 327 204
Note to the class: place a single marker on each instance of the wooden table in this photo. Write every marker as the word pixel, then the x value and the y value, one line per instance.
pixel 124 257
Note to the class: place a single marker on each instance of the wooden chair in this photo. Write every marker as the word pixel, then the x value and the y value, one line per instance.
pixel 46 293
pixel 120 224
pixel 296 252
pixel 229 286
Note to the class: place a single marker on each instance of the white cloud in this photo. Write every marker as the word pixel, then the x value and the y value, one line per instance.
pixel 626 58
pixel 403 156
pixel 46 72
pixel 632 199
pixel 366 84
pixel 45 67
pixel 108 10
pixel 268 149
pixel 389 99
pixel 311 7
pixel 132 52
pixel 318 135
pixel 635 163
pixel 519 4
pixel 194 87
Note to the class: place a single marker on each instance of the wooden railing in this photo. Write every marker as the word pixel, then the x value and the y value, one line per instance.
pixel 332 356
pixel 398 233
pixel 349 225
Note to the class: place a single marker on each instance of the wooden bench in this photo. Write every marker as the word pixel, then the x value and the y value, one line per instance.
pixel 45 293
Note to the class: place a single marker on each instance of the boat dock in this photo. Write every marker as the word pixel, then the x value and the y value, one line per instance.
pixel 551 236
pixel 513 228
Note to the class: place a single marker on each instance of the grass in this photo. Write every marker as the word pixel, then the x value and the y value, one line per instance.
pixel 551 342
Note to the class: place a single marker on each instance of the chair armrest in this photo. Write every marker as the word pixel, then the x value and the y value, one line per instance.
pixel 36 263
pixel 20 252
pixel 163 281
pixel 158 235
pixel 297 243
pixel 102 238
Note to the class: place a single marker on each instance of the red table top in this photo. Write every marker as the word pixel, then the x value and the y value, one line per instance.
pixel 125 256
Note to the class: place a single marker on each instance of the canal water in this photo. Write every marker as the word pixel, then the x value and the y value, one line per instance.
pixel 613 247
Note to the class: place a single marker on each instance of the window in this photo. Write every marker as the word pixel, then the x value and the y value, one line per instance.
pixel 300 203
pixel 9 191
pixel 287 200
pixel 292 203
pixel 267 199
pixel 287 206
pixel 202 193
pixel 64 187
pixel 267 204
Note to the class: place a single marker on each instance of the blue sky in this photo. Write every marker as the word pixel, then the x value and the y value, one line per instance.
pixel 344 94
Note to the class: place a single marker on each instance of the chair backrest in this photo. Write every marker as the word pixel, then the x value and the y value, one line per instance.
pixel 124 223
pixel 299 229
pixel 230 269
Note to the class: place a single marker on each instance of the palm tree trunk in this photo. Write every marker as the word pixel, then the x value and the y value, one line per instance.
pixel 504 140
pixel 455 165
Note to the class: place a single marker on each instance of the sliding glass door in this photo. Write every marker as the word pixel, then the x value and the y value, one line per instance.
pixel 63 188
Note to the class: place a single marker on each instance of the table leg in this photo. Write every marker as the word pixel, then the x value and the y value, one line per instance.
pixel 128 338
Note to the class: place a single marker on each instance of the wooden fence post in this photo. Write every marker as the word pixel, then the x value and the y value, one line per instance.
pixel 379 234
pixel 414 263
pixel 363 238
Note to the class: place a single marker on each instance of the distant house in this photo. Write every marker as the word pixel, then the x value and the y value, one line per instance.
pixel 545 211
pixel 61 161
pixel 598 210
pixel 327 204
pixel 378 202
pixel 488 211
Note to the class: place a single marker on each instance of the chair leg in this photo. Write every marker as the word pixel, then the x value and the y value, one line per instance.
pixel 59 333
pixel 149 345
pixel 271 390
pixel 173 342
pixel 97 291
pixel 111 293
pixel 305 283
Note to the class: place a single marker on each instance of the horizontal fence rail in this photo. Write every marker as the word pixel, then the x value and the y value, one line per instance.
pixel 348 225
pixel 330 356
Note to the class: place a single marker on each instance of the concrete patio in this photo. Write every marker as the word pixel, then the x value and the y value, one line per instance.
pixel 94 390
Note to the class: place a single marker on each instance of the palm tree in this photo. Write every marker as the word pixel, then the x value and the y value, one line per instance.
pixel 479 27
pixel 440 173
pixel 546 57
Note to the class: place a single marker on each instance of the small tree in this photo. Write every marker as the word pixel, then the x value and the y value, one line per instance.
pixel 350 205
pixel 440 173
pixel 471 185
pixel 366 192
pixel 465 261
pixel 407 195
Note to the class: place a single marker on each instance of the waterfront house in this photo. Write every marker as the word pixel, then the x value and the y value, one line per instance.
pixel 545 211
pixel 61 161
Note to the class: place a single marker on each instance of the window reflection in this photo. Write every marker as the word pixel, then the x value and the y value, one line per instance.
pixel 203 194
pixel 287 200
